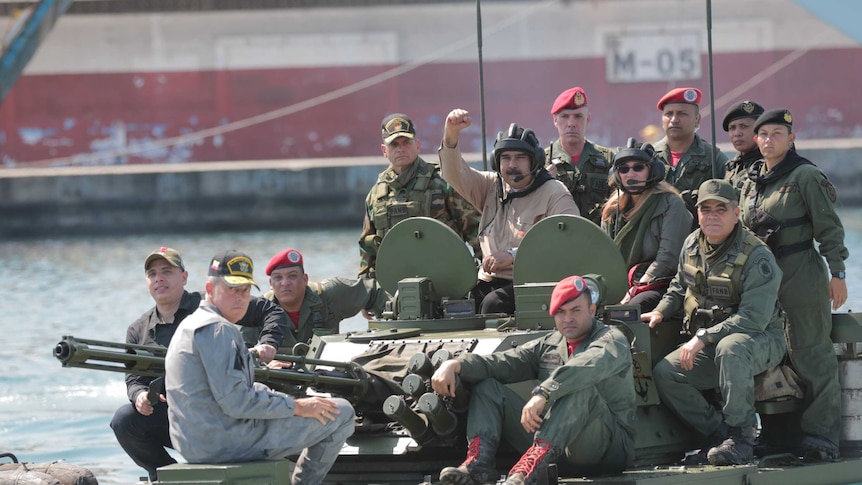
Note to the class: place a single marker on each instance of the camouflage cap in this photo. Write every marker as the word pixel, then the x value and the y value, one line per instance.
pixel 716 189
pixel 234 267
pixel 397 125
pixel 172 256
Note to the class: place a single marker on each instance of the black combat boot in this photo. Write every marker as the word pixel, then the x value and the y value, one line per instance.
pixel 737 449
pixel 478 468
pixel 817 448
pixel 715 438
pixel 532 468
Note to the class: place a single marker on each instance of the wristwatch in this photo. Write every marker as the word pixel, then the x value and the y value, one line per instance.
pixel 541 391
pixel 703 336
pixel 839 274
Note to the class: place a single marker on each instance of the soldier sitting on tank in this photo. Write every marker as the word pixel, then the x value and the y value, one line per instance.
pixel 648 221
pixel 218 414
pixel 141 427
pixel 316 308
pixel 513 198
pixel 727 285
pixel 409 187
pixel 581 414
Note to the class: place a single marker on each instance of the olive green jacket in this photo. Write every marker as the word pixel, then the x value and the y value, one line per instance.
pixel 602 360
pixel 757 311
pixel 806 196
pixel 588 180
pixel 694 167
pixel 329 302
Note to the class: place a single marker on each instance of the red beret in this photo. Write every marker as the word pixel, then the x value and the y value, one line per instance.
pixel 680 95
pixel 567 290
pixel 570 99
pixel 284 259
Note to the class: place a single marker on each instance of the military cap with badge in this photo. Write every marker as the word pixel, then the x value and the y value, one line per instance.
pixel 284 259
pixel 779 116
pixel 716 189
pixel 572 98
pixel 172 256
pixel 397 125
pixel 680 95
pixel 742 109
pixel 234 268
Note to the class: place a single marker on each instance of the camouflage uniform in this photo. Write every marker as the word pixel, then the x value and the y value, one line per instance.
pixel 747 338
pixel 417 191
pixel 588 180
pixel 591 408
pixel 693 168
pixel 737 168
pixel 325 305
pixel 801 198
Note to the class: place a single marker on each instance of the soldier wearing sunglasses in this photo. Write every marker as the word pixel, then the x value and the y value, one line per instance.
pixel 648 221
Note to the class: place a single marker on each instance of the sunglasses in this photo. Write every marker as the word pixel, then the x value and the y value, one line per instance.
pixel 638 167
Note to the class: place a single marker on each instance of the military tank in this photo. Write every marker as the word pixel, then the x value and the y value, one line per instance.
pixel 405 433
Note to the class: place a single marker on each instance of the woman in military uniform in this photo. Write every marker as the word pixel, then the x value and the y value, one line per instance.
pixel 788 202
pixel 648 221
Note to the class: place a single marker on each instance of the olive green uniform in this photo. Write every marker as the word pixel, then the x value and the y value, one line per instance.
pixel 737 169
pixel 326 304
pixel 747 337
pixel 588 180
pixel 694 167
pixel 803 201
pixel 418 191
pixel 590 414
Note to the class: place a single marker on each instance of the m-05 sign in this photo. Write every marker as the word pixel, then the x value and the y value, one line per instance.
pixel 652 56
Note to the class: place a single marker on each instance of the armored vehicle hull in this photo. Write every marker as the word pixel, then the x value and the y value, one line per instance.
pixel 405 434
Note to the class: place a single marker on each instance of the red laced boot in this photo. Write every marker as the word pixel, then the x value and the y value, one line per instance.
pixel 532 468
pixel 478 468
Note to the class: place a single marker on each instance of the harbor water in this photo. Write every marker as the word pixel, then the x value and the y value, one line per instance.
pixel 94 287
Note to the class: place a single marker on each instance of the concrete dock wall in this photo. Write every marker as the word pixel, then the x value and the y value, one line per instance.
pixel 241 196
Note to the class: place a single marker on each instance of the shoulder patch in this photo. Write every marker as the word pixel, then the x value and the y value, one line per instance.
pixel 764 267
pixel 830 190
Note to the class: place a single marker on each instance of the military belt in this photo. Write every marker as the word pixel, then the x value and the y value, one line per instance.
pixel 788 249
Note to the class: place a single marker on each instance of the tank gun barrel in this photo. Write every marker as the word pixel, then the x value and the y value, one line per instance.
pixel 142 360
pixel 150 361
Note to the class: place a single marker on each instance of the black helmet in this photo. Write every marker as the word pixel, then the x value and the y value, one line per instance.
pixel 520 140
pixel 645 153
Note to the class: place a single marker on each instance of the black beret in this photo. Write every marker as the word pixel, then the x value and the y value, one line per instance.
pixel 742 109
pixel 774 117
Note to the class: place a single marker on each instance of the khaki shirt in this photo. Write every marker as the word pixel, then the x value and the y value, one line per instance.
pixel 502 226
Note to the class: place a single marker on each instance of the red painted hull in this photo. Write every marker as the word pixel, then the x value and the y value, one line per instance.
pixel 47 117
